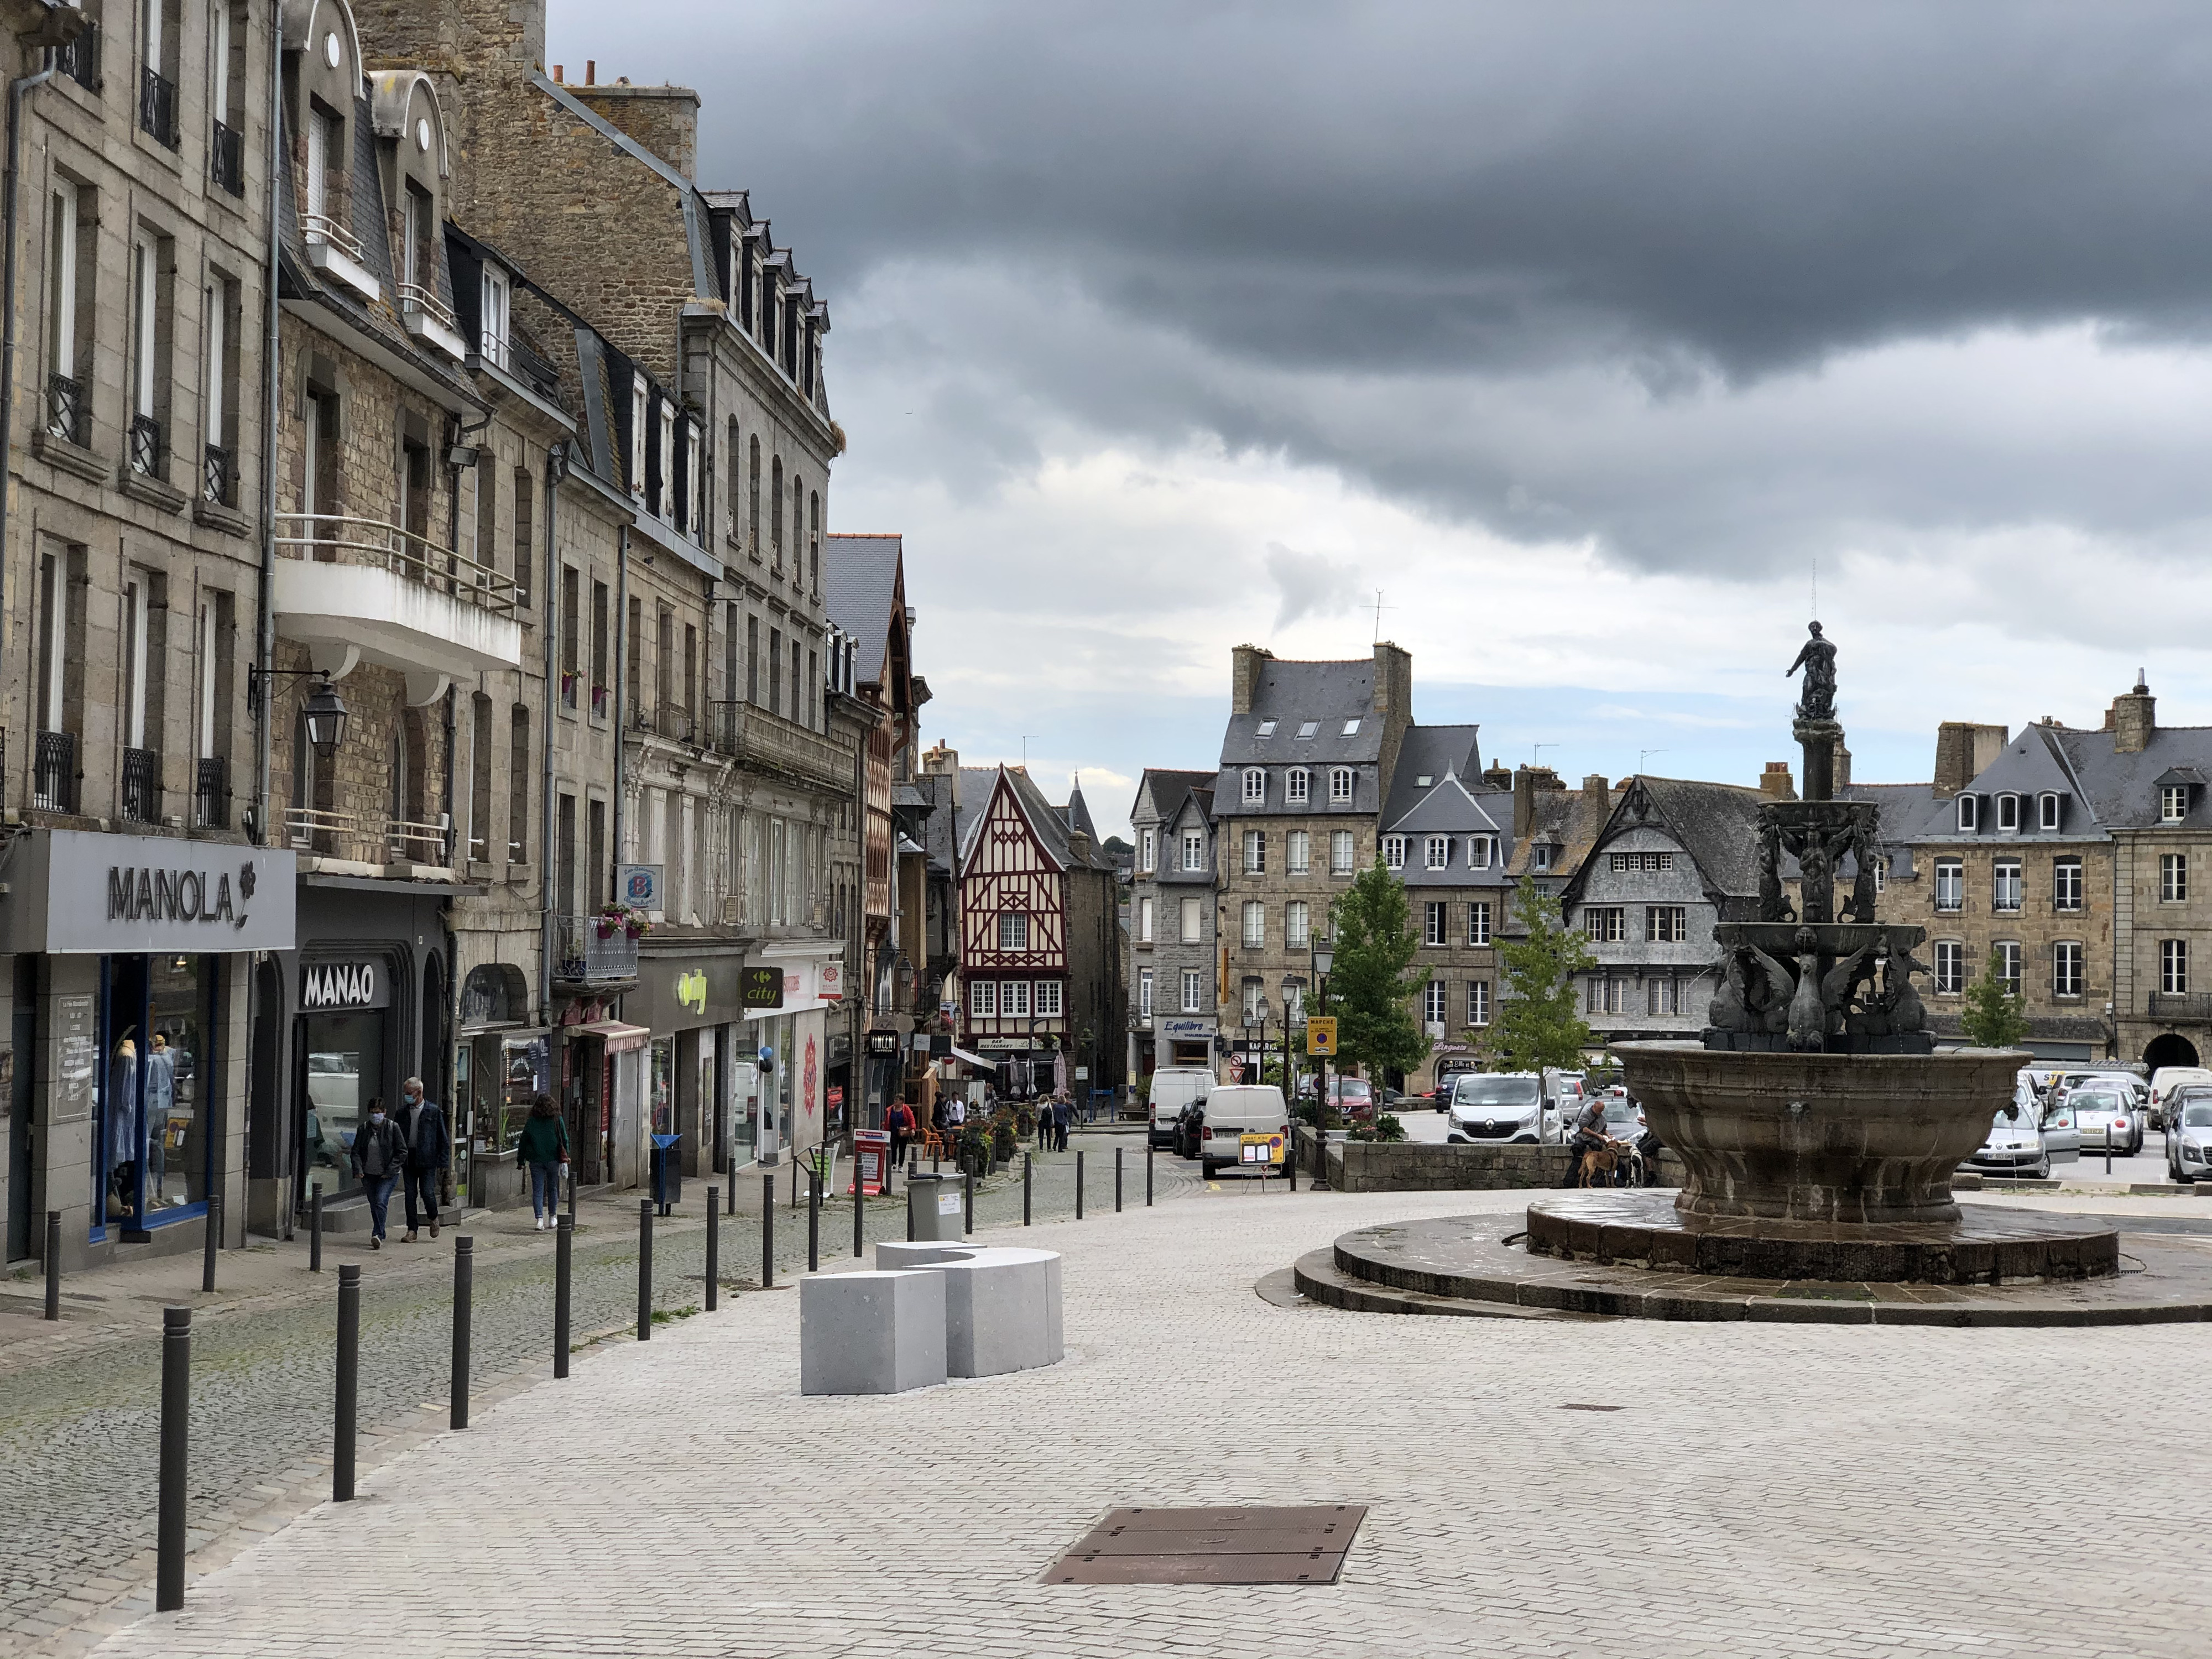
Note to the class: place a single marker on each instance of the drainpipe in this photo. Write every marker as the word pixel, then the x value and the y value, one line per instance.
pixel 17 92
pixel 265 644
pixel 622 684
pixel 556 467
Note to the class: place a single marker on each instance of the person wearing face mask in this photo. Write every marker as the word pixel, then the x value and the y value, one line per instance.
pixel 423 1127
pixel 380 1154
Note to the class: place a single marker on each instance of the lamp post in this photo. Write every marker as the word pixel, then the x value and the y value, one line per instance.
pixel 1290 989
pixel 1322 955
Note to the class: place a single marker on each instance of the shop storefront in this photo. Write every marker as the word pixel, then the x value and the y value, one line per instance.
pixel 604 1095
pixel 133 956
pixel 500 1062
pixel 786 1105
pixel 689 1002
pixel 1184 1041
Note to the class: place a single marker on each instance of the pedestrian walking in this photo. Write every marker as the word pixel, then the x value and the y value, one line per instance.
pixel 900 1122
pixel 1043 1110
pixel 422 1126
pixel 1063 1114
pixel 379 1156
pixel 542 1150
pixel 956 1115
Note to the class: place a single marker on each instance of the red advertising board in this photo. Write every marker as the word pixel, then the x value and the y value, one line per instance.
pixel 871 1157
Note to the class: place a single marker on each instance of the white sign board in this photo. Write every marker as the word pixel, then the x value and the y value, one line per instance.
pixel 80 892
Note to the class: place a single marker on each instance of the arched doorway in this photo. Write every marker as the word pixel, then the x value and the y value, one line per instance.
pixel 2171 1049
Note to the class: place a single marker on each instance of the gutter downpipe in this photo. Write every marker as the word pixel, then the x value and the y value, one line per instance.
pixel 556 468
pixel 265 644
pixel 622 691
pixel 17 92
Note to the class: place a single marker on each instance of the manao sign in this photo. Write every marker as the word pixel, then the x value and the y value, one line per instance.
pixel 78 891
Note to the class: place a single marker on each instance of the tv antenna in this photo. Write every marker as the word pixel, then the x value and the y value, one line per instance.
pixel 1378 608
pixel 1642 755
pixel 1026 736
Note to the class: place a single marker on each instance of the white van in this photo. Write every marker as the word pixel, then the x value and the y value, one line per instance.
pixel 2165 1080
pixel 1234 1110
pixel 1174 1087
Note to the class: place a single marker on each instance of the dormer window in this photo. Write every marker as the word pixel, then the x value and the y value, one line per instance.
pixel 1970 814
pixel 1478 852
pixel 1424 781
pixel 1339 783
pixel 1351 728
pixel 1437 854
pixel 332 248
pixel 667 479
pixel 1394 851
pixel 494 318
pixel 1266 728
pixel 2046 810
pixel 2007 814
pixel 1296 785
pixel 1255 784
pixel 1540 856
pixel 1307 728
pixel 2173 803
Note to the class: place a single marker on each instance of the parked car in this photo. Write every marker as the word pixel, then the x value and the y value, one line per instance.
pixel 1350 1098
pixel 2167 1078
pixel 1174 1087
pixel 1231 1112
pixel 2103 1115
pixel 2062 1141
pixel 2014 1146
pixel 2189 1133
pixel 1491 1108
pixel 1563 1093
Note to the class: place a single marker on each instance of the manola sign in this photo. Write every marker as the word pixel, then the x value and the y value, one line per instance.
pixel 1320 1035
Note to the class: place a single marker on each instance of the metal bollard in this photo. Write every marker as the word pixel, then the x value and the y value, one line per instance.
pixel 1079 1186
pixel 53 1264
pixel 211 1244
pixel 1290 1163
pixel 464 1277
pixel 564 1240
pixel 176 1428
pixel 814 1221
pixel 730 1195
pixel 645 1270
pixel 342 1427
pixel 315 1229
pixel 1117 1181
pixel 714 1252
pixel 768 1232
pixel 966 1200
pixel 1026 1189
pixel 572 1191
pixel 859 1195
pixel 1148 1169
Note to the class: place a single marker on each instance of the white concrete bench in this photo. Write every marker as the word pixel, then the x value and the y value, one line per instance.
pixel 879 1333
pixel 1001 1304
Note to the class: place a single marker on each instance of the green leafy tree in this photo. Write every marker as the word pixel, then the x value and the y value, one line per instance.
pixel 1370 985
pixel 1537 1025
pixel 1993 1017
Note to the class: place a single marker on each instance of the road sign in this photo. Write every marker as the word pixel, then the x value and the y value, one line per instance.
pixel 1320 1035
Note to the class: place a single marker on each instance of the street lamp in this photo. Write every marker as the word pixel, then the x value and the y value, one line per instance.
pixel 1322 954
pixel 324 712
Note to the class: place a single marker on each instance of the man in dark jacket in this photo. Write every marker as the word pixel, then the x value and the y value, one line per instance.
pixel 376 1155
pixel 422 1126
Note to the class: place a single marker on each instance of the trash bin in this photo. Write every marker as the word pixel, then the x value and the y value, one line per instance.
pixel 933 1204
pixel 667 1173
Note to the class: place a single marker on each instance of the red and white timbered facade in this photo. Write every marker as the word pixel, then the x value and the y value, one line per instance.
pixel 1013 930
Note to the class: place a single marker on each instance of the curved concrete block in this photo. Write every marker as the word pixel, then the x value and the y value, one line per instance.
pixel 1001 1304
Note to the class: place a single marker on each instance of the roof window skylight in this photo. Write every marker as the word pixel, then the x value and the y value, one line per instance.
pixel 1266 728
pixel 1351 728
pixel 1308 728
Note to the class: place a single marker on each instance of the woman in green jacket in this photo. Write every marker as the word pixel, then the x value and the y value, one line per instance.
pixel 543 1151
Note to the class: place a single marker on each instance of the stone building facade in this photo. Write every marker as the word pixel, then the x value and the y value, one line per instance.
pixel 1173 971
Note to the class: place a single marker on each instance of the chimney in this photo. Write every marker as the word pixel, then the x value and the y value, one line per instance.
pixel 940 761
pixel 1842 776
pixel 1393 705
pixel 1597 793
pixel 665 120
pixel 1962 750
pixel 560 74
pixel 2133 719
pixel 1775 782
pixel 591 71
pixel 1527 780
pixel 1245 676
pixel 1499 776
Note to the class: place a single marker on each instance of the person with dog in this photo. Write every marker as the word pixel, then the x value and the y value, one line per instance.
pixel 1587 1136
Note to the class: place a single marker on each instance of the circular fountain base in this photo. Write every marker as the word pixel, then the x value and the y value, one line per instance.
pixel 1984 1245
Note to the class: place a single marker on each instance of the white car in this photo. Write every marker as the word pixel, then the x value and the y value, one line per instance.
pixel 2167 1078
pixel 2105 1115
pixel 1494 1108
pixel 2189 1134
pixel 2013 1146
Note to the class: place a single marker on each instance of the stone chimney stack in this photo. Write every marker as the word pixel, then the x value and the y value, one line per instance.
pixel 1245 676
pixel 1393 705
pixel 1499 776
pixel 1597 793
pixel 1776 783
pixel 1962 750
pixel 1527 780
pixel 664 118
pixel 1843 769
pixel 2134 719
pixel 940 761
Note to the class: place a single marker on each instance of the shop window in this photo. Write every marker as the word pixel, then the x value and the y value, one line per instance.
pixel 152 1095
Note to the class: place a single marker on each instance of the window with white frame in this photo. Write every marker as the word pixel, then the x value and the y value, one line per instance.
pixel 1662 996
pixel 1435 852
pixel 1666 924
pixel 1194 986
pixel 1255 924
pixel 1628 861
pixel 1394 851
pixel 2173 803
pixel 1255 996
pixel 1950 967
pixel 1436 1002
pixel 1435 928
pixel 1298 851
pixel 1339 852
pixel 1294 786
pixel 1478 1002
pixel 2173 878
pixel 2173 966
pixel 1192 922
pixel 983 999
pixel 1193 850
pixel 2008 812
pixel 1969 813
pixel 1478 922
pixel 1604 924
pixel 1339 783
pixel 1295 925
pixel 1013 930
pixel 2006 954
pixel 1255 784
pixel 637 414
pixel 1144 993
pixel 1540 856
pixel 494 318
pixel 1013 999
pixel 1255 851
pixel 2046 810
pixel 1147 846
pixel 1307 728
pixel 2004 885
pixel 1480 851
pixel 2066 968
pixel 2066 884
pixel 1950 884
pixel 1351 728
pixel 1143 921
pixel 1266 729
pixel 667 479
pixel 1048 998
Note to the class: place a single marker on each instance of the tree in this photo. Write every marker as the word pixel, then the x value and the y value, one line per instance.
pixel 1537 1024
pixel 1371 989
pixel 1994 1017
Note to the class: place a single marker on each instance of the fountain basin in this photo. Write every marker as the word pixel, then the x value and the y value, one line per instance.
pixel 1819 1138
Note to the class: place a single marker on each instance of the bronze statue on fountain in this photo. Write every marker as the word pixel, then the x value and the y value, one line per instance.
pixel 1804 977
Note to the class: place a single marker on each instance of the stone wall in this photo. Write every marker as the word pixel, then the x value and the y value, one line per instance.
pixel 1373 1166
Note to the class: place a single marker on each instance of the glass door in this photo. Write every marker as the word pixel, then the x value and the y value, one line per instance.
pixel 344 1059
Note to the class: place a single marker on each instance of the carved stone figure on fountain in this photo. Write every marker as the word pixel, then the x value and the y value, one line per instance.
pixel 1773 903
pixel 1817 657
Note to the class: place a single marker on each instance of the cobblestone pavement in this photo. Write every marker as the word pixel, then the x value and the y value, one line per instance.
pixel 1762 1490
pixel 79 1417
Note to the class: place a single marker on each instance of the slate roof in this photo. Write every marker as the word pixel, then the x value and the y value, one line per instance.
pixel 2122 790
pixel 859 587
pixel 1718 825
pixel 1327 693
pixel 1434 752
pixel 1170 788
pixel 1050 822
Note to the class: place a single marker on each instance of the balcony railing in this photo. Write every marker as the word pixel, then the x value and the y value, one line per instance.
pixel 54 782
pixel 321 227
pixel 211 794
pixel 418 843
pixel 142 786
pixel 157 105
pixel 219 474
pixel 344 539
pixel 764 742
pixel 590 956
pixel 368 837
pixel 68 408
pixel 79 59
pixel 146 448
pixel 2194 1006
pixel 227 160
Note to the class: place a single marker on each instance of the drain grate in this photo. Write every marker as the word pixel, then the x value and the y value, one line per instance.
pixel 1573 1408
pixel 1303 1543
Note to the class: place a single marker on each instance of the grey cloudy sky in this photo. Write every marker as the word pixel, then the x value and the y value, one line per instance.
pixel 1584 331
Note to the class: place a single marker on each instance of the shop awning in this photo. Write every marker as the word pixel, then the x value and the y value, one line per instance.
pixel 973 1059
pixel 619 1038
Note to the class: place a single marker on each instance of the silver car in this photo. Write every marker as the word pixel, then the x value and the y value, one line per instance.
pixel 1494 1106
pixel 2103 1115
pixel 2189 1135
pixel 2013 1146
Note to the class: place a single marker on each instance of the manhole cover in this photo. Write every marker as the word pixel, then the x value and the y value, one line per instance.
pixel 1303 1543
pixel 1571 1407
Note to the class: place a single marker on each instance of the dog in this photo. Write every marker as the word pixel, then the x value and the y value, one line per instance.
pixel 1598 1163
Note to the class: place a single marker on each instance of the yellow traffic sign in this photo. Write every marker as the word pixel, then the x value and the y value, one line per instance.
pixel 1320 1035
pixel 1260 1149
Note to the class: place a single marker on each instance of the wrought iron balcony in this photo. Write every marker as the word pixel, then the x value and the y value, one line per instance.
pixel 157 107
pixel 54 782
pixel 595 952
pixel 147 455
pixel 68 408
pixel 142 786
pixel 2194 1007
pixel 219 474
pixel 211 794
pixel 227 160
pixel 79 59
pixel 768 742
